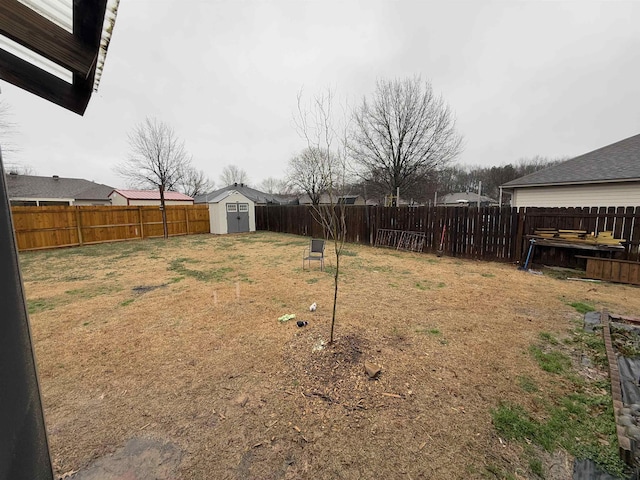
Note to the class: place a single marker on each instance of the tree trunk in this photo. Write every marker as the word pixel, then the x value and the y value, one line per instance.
pixel 335 296
pixel 165 228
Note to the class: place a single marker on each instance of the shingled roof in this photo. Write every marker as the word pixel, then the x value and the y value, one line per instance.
pixel 252 194
pixel 31 186
pixel 618 162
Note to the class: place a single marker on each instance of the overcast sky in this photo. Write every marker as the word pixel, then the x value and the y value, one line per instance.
pixel 524 78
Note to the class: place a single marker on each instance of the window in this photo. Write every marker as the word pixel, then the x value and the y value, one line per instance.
pixel 243 207
pixel 232 208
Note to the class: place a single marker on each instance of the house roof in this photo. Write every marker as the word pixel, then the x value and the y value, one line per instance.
pixel 222 195
pixel 152 195
pixel 32 186
pixel 618 162
pixel 464 198
pixel 252 194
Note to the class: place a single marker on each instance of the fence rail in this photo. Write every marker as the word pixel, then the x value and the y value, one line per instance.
pixel 488 233
pixel 66 226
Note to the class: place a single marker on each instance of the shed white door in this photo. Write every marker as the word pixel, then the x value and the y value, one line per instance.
pixel 237 217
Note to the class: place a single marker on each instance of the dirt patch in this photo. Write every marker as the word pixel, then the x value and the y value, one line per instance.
pixel 139 459
pixel 333 372
pixel 147 288
pixel 205 364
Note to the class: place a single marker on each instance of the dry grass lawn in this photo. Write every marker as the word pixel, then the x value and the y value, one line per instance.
pixel 180 341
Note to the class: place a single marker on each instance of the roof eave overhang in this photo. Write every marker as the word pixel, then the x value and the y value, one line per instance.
pixel 561 184
pixel 41 198
pixel 78 52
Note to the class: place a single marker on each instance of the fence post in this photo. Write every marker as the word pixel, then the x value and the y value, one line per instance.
pixel 141 222
pixel 186 217
pixel 79 225
pixel 522 213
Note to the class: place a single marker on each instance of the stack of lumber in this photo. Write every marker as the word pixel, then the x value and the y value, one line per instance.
pixel 601 238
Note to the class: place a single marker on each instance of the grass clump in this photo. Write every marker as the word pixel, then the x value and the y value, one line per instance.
pixel 527 384
pixel 429 330
pixel 583 307
pixel 549 338
pixel 578 418
pixel 535 465
pixel 553 362
pixel 211 275
pixel 577 423
pixel 92 291
pixel 39 305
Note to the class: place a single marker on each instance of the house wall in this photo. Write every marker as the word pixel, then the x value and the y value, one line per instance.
pixel 157 202
pixel 91 202
pixel 218 213
pixel 625 194
pixel 36 201
pixel 119 200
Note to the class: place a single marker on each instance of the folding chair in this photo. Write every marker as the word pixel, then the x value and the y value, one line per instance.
pixel 314 252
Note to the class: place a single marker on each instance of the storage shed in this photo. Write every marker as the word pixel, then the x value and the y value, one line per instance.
pixel 232 212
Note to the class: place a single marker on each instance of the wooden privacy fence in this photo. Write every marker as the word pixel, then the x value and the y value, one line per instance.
pixel 490 233
pixel 67 226
pixel 486 232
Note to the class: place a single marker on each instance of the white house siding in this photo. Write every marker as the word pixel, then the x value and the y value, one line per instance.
pixel 625 194
pixel 119 200
pixel 83 203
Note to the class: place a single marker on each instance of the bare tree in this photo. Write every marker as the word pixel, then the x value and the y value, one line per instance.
pixel 195 182
pixel 157 159
pixel 232 174
pixel 274 186
pixel 402 134
pixel 316 124
pixel 309 171
pixel 462 178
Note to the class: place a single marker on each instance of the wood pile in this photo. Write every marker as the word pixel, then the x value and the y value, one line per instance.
pixel 600 238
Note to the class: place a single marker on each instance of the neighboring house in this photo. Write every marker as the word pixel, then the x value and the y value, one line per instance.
pixel 466 199
pixel 148 197
pixel 607 177
pixel 325 199
pixel 256 196
pixel 32 190
pixel 231 212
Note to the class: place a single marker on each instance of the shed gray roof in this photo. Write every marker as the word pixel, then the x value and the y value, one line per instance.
pixel 618 162
pixel 252 194
pixel 31 186
pixel 221 196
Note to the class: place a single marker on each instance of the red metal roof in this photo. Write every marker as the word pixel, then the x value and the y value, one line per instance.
pixel 152 195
